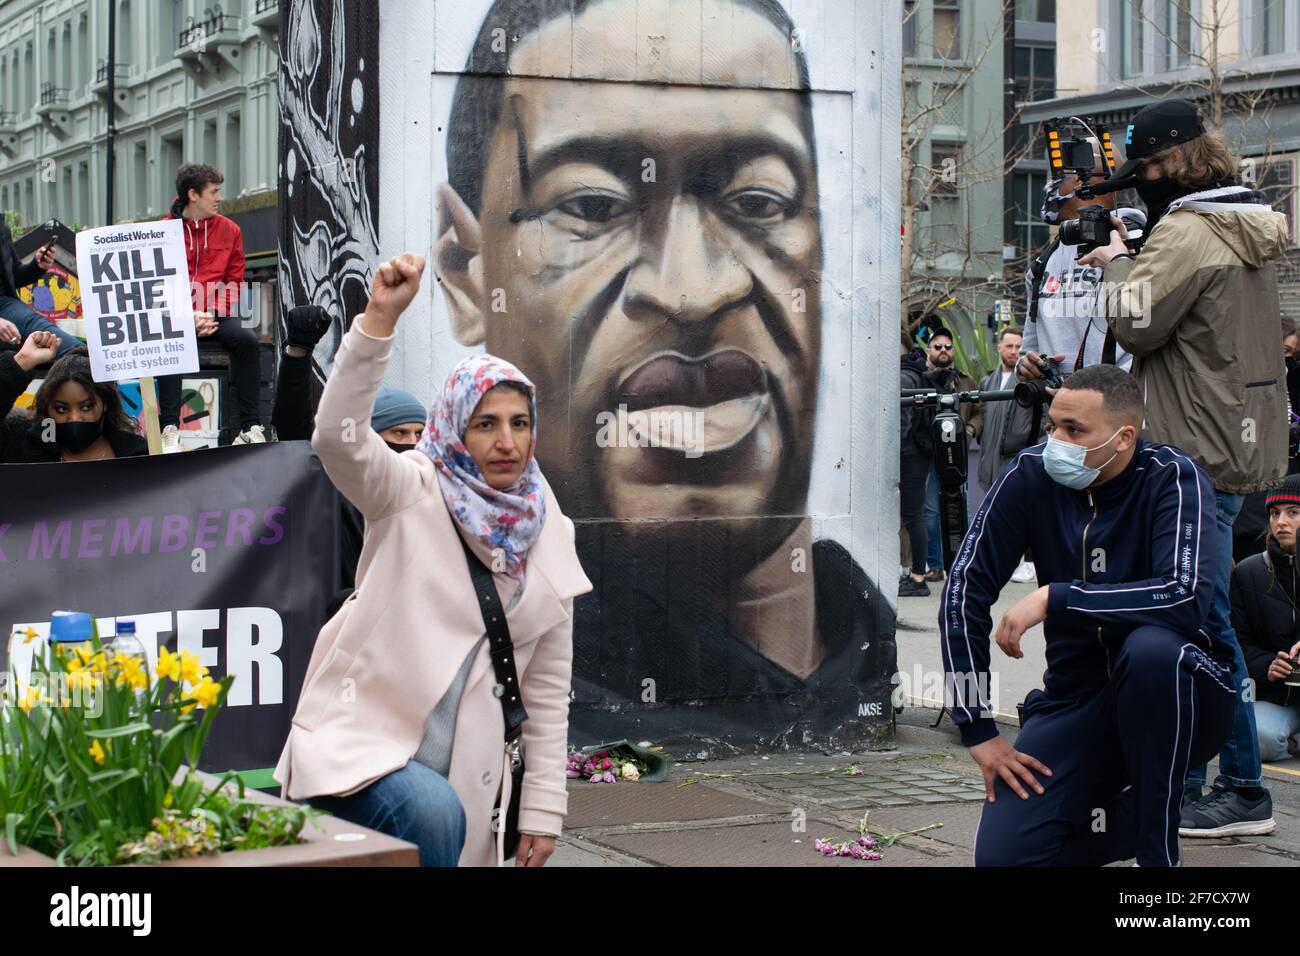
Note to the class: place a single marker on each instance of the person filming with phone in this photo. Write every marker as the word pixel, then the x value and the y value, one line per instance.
pixel 18 320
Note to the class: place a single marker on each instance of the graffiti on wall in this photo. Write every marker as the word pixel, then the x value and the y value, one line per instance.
pixel 652 216
pixel 329 133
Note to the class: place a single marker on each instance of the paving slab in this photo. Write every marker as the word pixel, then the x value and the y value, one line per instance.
pixel 605 804
pixel 764 844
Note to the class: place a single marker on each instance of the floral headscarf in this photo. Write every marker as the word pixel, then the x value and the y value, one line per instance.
pixel 509 519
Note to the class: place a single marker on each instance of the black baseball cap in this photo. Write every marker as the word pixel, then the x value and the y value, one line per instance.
pixel 1154 128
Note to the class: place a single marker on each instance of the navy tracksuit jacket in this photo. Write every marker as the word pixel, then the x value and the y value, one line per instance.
pixel 1136 552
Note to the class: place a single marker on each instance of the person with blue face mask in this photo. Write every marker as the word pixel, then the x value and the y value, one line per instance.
pixel 1137 686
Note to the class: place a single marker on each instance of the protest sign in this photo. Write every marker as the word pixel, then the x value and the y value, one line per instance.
pixel 135 290
pixel 228 553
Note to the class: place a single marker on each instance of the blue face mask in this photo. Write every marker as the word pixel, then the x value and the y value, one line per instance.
pixel 1064 462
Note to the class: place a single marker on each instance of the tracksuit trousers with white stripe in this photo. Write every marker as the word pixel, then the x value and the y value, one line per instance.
pixel 1118 760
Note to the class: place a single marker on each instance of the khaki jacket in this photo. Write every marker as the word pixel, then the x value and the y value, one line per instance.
pixel 1198 309
pixel 386 658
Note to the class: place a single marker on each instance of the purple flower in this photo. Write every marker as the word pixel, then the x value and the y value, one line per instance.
pixel 595 778
pixel 572 773
pixel 609 776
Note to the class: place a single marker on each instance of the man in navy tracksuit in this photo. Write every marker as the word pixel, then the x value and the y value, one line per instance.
pixel 1137 685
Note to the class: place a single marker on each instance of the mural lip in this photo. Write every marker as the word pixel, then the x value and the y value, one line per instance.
pixel 669 377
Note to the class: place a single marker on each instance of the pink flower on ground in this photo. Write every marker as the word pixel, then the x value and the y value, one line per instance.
pixel 609 776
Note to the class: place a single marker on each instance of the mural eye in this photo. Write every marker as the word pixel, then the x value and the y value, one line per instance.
pixel 593 207
pixel 758 205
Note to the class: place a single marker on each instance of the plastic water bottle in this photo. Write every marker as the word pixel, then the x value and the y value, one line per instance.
pixel 126 644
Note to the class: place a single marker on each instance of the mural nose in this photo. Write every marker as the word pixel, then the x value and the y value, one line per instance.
pixel 693 273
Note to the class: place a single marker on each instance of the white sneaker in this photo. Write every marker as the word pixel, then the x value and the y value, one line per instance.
pixel 1025 573
pixel 171 440
pixel 253 435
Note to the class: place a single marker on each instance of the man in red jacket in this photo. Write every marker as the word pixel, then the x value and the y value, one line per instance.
pixel 214 250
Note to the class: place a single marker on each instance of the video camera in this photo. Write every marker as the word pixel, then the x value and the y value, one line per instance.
pixel 1070 153
pixel 948 439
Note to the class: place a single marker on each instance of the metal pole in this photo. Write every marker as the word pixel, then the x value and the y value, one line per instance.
pixel 111 158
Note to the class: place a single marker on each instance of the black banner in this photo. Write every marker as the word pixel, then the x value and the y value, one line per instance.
pixel 230 553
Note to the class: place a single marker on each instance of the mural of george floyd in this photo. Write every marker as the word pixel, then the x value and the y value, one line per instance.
pixel 675 217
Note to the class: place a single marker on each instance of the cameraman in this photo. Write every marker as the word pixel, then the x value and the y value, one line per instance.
pixel 1065 320
pixel 945 378
pixel 1198 310
pixel 1134 689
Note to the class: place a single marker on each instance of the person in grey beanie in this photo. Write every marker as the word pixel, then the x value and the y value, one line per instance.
pixel 397 416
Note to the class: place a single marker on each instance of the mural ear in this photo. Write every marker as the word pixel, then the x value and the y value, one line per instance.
pixel 459 266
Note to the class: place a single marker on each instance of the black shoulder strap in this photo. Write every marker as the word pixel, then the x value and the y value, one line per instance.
pixel 500 647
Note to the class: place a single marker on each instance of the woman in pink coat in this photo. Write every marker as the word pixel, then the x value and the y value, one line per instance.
pixel 399 725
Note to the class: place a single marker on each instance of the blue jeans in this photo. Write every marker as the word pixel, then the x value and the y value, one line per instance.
pixel 414 804
pixel 1277 724
pixel 934 545
pixel 29 320
pixel 1239 761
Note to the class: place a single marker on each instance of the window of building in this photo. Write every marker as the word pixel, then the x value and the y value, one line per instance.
pixel 1133 37
pixel 233 163
pixel 83 52
pixel 208 142
pixel 175 22
pixel 947 29
pixel 1277 180
pixel 1179 33
pixel 1272 23
pixel 140 203
pixel 170 161
pixel 125 33
pixel 1028 231
pixel 1035 73
pixel 1038 11
pixel 84 214
pixel 29 81
pixel 65 60
pixel 910 14
pixel 944 196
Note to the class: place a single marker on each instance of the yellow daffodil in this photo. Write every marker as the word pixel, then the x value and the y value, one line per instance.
pixel 131 672
pixel 30 635
pixel 29 699
pixel 169 664
pixel 204 694
pixel 97 752
pixel 191 669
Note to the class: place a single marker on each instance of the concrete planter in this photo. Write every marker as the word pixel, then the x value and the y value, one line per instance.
pixel 335 843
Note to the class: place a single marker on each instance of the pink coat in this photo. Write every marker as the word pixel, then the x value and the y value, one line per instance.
pixel 390 653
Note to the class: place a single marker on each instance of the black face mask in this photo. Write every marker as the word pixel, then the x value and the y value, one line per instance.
pixel 77 436
pixel 398 448
pixel 1156 195
pixel 1292 362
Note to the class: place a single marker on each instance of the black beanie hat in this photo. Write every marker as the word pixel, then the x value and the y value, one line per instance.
pixel 1287 493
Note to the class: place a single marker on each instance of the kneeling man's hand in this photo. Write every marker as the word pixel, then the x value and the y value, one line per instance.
pixel 1020 617
pixel 997 758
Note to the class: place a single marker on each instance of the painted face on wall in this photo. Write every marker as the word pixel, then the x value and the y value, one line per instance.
pixel 656 248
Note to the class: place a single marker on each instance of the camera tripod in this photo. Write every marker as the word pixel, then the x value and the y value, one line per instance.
pixel 948 441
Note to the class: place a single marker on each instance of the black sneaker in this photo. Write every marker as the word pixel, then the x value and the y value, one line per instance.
pixel 908 586
pixel 1225 812
pixel 1191 795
